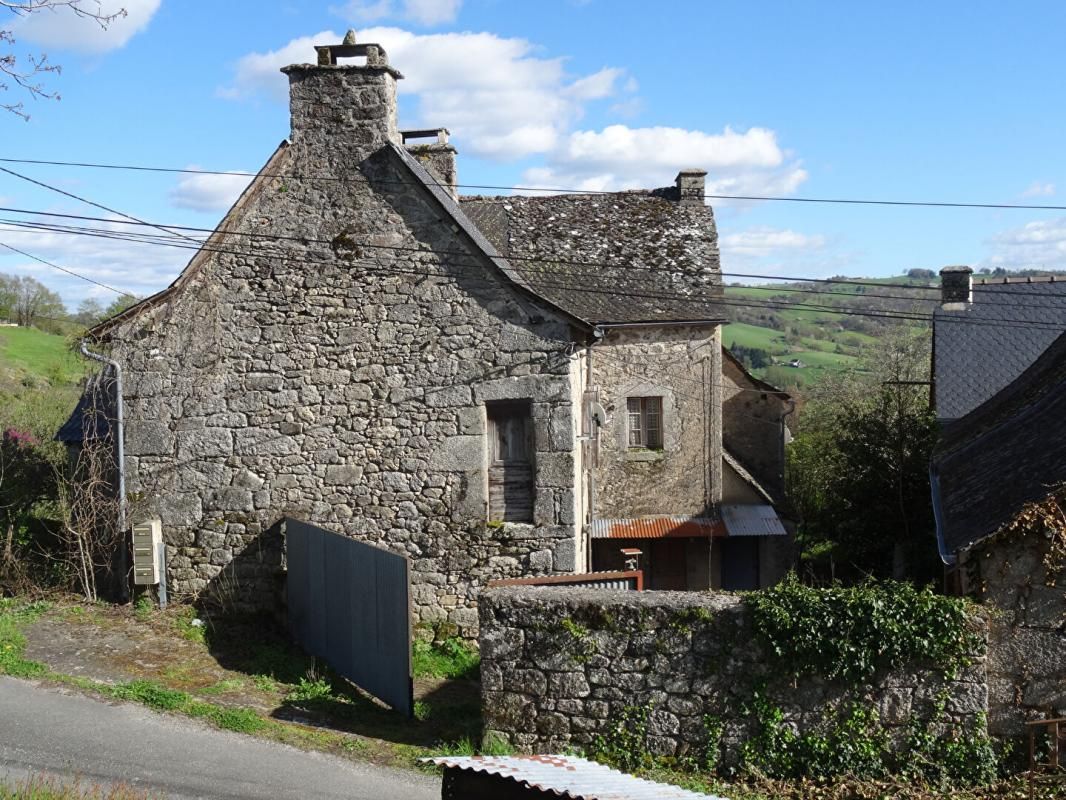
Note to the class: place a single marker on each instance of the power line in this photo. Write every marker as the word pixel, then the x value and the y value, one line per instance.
pixel 578 287
pixel 168 228
pixel 760 198
pixel 582 288
pixel 68 271
pixel 201 245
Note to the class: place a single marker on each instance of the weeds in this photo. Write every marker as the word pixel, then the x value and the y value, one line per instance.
pixel 309 690
pixel 143 608
pixel 48 789
pixel 189 626
pixel 451 658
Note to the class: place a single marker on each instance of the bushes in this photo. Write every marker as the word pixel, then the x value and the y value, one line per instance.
pixel 848 633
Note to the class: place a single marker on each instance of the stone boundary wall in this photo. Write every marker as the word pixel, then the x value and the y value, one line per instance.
pixel 559 666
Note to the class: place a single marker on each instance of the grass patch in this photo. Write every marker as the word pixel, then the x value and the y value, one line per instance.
pixel 451 658
pixel 152 695
pixel 29 353
pixel 224 686
pixel 189 626
pixel 13 644
pixel 50 789
pixel 309 690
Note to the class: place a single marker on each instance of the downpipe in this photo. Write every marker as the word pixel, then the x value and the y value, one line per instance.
pixel 120 457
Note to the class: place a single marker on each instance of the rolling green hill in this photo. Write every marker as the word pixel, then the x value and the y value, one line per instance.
pixel 797 322
pixel 30 358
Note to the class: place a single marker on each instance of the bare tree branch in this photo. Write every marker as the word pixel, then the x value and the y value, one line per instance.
pixel 28 76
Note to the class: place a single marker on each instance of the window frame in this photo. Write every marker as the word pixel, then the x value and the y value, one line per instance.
pixel 644 423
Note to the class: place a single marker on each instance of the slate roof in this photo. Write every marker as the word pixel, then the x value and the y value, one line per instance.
pixel 94 411
pixel 621 257
pixel 1007 452
pixel 981 347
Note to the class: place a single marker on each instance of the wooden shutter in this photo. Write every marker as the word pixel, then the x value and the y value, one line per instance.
pixel 510 456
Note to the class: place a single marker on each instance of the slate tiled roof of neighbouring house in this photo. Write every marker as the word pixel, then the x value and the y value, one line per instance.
pixel 1003 454
pixel 93 413
pixel 980 347
pixel 637 256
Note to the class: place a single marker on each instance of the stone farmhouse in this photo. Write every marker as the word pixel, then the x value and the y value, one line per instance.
pixel 496 387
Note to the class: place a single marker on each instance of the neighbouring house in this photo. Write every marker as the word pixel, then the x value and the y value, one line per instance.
pixel 986 332
pixel 485 384
pixel 998 475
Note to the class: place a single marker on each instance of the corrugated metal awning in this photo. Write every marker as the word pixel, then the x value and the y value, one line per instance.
pixel 661 527
pixel 752 520
pixel 569 777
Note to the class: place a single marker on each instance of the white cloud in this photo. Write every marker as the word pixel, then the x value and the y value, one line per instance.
pixel 499 99
pixel 135 267
pixel 764 240
pixel 422 12
pixel 208 192
pixel 597 85
pixel 1039 189
pixel 1040 244
pixel 621 157
pixel 64 30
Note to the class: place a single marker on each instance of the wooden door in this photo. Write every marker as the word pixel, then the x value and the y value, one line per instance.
pixel 510 433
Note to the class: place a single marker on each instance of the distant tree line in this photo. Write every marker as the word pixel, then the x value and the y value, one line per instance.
pixel 751 357
pixel 27 302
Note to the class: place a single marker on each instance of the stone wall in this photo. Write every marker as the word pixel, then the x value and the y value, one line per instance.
pixel 339 375
pixel 678 364
pixel 751 425
pixel 560 666
pixel 1027 654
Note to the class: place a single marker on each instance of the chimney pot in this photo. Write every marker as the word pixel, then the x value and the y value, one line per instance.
pixel 437 157
pixel 352 105
pixel 956 285
pixel 691 184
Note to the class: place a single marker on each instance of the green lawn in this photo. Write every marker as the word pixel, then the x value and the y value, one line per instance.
pixel 31 355
pixel 752 336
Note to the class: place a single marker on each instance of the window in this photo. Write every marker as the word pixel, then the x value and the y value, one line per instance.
pixel 645 422
pixel 510 457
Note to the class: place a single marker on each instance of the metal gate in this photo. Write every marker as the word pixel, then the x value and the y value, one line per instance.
pixel 349 603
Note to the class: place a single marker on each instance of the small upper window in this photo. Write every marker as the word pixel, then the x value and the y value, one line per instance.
pixel 645 422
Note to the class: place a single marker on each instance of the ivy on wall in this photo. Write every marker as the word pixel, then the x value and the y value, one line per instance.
pixel 849 633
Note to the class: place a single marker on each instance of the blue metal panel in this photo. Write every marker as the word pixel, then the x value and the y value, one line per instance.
pixel 350 604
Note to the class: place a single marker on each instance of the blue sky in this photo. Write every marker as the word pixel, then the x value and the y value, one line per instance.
pixel 951 101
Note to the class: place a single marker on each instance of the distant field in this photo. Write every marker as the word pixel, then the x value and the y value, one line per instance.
pixel 29 357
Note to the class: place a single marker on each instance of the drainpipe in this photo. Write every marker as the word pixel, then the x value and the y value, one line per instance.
pixel 121 459
pixel 598 334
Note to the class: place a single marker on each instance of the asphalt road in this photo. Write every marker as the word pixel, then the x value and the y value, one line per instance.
pixel 53 732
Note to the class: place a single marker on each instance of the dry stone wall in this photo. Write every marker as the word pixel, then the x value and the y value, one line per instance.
pixel 560 666
pixel 1027 654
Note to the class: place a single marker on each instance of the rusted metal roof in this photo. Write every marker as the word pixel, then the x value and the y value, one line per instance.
pixel 570 777
pixel 752 520
pixel 632 580
pixel 661 527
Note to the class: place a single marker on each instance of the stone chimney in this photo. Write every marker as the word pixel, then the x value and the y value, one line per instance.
pixel 438 157
pixel 956 286
pixel 691 184
pixel 352 105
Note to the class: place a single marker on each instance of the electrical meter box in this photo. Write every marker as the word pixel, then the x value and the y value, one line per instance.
pixel 147 541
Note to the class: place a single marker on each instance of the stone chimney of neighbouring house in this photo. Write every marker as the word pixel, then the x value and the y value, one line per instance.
pixel 956 286
pixel 351 104
pixel 691 186
pixel 437 157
